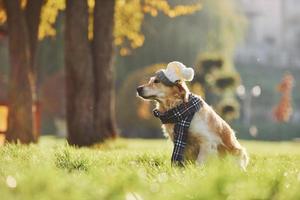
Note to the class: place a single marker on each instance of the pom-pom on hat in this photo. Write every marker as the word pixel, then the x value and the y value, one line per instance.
pixel 175 71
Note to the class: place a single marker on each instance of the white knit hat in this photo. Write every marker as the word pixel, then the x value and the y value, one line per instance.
pixel 176 71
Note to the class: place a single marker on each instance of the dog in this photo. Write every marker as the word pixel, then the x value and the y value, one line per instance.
pixel 208 133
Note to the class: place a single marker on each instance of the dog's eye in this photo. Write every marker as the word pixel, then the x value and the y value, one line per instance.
pixel 156 81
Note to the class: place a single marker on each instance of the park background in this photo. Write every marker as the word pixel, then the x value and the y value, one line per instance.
pixel 257 43
pixel 68 76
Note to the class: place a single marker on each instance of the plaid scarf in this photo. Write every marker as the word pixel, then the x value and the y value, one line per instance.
pixel 181 116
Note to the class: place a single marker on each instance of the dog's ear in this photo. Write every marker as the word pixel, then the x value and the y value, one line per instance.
pixel 183 90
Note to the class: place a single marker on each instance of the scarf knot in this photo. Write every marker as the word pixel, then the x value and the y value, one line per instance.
pixel 181 116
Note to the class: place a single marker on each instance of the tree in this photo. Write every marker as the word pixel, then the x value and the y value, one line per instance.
pixel 103 69
pixel 23 19
pixel 89 73
pixel 79 75
pixel 223 28
pixel 22 30
pixel 89 69
pixel 103 14
pixel 217 84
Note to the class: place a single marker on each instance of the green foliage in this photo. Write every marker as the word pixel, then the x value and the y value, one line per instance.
pixel 225 82
pixel 210 64
pixel 229 108
pixel 225 25
pixel 140 169
pixel 219 81
pixel 217 28
pixel 129 17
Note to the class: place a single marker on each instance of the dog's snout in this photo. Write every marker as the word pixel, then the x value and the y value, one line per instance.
pixel 139 89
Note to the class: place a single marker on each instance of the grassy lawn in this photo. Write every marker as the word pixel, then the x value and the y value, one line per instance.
pixel 140 169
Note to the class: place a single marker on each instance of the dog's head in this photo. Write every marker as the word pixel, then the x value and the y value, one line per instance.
pixel 168 86
pixel 156 90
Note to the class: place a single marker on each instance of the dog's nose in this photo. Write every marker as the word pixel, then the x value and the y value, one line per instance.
pixel 139 89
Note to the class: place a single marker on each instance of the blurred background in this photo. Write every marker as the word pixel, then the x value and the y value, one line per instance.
pixel 245 54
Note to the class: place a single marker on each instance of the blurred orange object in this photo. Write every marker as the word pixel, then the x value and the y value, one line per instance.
pixel 2 139
pixel 283 111
pixel 3 118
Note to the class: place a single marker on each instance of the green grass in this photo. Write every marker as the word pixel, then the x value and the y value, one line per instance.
pixel 140 169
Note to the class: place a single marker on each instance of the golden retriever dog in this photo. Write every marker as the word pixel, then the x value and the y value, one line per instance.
pixel 208 133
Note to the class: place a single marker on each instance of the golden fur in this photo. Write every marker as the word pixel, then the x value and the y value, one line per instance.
pixel 208 133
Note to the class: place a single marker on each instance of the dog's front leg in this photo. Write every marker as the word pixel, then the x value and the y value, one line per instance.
pixel 206 149
pixel 201 157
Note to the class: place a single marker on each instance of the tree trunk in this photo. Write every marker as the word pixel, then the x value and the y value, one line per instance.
pixel 20 100
pixel 33 13
pixel 89 73
pixel 104 113
pixel 79 75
